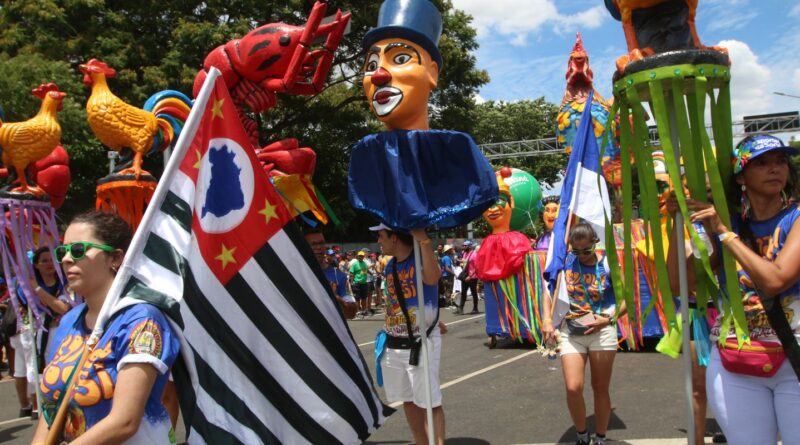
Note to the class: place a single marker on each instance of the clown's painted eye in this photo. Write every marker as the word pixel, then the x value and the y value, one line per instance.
pixel 401 58
pixel 371 65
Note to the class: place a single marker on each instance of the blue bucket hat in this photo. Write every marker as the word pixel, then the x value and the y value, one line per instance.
pixel 754 146
pixel 416 20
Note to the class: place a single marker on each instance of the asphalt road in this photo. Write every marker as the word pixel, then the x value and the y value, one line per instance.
pixel 502 396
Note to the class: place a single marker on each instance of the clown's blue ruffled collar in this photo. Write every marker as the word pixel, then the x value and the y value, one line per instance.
pixel 418 178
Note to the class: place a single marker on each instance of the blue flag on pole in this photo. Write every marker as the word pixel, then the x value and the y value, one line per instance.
pixel 581 195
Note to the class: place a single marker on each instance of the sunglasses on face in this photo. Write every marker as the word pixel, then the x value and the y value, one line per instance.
pixel 78 250
pixel 502 200
pixel 585 251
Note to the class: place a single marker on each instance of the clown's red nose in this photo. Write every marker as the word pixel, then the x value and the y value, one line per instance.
pixel 381 77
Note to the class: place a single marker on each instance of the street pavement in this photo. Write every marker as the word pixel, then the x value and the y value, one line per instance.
pixel 502 396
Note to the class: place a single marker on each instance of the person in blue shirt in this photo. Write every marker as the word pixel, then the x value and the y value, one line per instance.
pixel 403 380
pixel 118 392
pixel 754 399
pixel 337 279
pixel 588 332
pixel 448 279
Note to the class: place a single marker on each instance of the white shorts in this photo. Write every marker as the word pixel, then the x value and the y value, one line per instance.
pixel 406 383
pixel 603 340
pixel 24 358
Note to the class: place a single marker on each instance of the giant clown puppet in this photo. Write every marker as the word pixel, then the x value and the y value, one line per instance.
pixel 511 273
pixel 411 176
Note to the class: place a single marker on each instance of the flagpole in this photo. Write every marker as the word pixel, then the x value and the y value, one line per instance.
pixel 573 199
pixel 554 297
pixel 683 287
pixel 36 337
pixel 140 237
pixel 423 334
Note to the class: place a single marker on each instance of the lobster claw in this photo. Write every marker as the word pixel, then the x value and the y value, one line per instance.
pixel 288 158
pixel 308 70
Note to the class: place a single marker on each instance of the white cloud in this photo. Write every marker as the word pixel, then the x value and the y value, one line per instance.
pixel 795 11
pixel 754 80
pixel 519 18
pixel 750 81
pixel 478 99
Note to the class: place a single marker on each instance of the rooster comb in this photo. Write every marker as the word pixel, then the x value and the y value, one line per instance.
pixel 98 66
pixel 578 48
pixel 42 90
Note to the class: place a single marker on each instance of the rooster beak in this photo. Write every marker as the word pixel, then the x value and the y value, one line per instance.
pixel 84 68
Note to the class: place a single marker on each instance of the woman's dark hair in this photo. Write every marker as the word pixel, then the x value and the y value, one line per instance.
pixel 109 228
pixel 552 199
pixel 582 231
pixel 35 259
pixel 38 253
pixel 405 238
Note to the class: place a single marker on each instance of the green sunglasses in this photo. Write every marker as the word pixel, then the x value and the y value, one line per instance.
pixel 585 251
pixel 502 200
pixel 78 250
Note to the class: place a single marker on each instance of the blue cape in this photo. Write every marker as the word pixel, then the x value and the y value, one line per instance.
pixel 417 178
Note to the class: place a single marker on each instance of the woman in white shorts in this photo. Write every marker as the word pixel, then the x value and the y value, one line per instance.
pixel 587 331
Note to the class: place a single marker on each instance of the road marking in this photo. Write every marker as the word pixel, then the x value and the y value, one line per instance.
pixel 478 372
pixel 20 419
pixel 448 324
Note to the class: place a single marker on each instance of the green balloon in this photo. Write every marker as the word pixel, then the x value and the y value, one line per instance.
pixel 527 196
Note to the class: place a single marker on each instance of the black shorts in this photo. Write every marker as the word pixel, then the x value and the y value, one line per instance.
pixel 360 291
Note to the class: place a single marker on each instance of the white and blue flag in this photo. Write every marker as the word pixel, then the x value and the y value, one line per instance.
pixel 583 194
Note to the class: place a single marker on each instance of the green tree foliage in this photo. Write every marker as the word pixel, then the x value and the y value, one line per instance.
pixel 161 45
pixel 522 120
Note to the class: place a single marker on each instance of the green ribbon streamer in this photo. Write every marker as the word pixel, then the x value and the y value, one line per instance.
pixel 619 285
pixel 328 209
pixel 665 89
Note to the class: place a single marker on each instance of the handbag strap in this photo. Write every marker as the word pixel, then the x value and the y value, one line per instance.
pixel 777 319
pixel 401 298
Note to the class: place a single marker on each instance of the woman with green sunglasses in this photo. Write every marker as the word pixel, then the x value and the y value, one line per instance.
pixel 588 332
pixel 118 394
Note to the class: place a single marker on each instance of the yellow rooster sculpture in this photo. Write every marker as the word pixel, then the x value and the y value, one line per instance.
pixel 24 143
pixel 119 125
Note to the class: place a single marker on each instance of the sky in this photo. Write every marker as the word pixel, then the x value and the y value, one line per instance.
pixel 525 44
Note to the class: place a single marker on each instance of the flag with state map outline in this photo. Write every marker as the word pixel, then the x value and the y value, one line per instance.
pixel 267 356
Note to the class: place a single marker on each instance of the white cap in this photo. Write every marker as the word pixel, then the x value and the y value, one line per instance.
pixel 380 227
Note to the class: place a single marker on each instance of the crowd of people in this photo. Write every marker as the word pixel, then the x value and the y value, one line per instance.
pixel 358 275
pixel 131 398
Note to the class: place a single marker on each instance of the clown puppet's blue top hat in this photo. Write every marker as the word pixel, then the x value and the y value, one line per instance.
pixel 416 20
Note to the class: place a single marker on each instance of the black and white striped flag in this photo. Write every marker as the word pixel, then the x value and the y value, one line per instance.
pixel 267 355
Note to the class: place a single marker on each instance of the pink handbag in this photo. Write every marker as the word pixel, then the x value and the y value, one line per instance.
pixel 759 359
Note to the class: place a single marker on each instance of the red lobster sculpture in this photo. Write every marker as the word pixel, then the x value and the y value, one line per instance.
pixel 277 58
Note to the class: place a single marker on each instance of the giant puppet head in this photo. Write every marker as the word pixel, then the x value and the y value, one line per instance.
pixel 499 215
pixel 550 208
pixel 403 63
